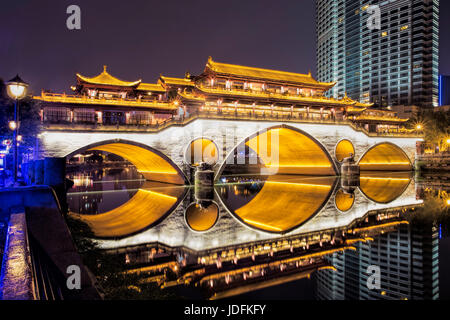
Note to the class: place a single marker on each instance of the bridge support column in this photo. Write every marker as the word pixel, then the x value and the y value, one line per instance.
pixel 204 183
pixel 55 177
pixel 39 172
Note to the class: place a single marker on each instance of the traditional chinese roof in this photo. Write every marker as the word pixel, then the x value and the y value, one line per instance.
pixel 84 100
pixel 105 79
pixel 265 74
pixel 175 81
pixel 151 87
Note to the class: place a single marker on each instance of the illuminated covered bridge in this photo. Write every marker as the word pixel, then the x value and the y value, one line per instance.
pixel 294 148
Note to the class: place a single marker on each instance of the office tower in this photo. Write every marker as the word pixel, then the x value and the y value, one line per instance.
pixel 444 90
pixel 397 64
pixel 408 259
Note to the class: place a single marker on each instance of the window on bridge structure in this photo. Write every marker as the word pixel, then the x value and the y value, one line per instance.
pixel 140 117
pixel 84 115
pixel 56 115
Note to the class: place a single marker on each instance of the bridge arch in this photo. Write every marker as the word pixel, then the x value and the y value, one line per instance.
pixel 298 152
pixel 385 156
pixel 381 188
pixel 298 198
pixel 201 150
pixel 151 163
pixel 149 206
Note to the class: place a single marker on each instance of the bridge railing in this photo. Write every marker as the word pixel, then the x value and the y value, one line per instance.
pixel 232 116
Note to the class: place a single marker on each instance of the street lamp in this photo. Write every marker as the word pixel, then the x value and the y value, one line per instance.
pixel 17 89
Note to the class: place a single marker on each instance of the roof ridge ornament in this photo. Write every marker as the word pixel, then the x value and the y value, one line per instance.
pixel 105 67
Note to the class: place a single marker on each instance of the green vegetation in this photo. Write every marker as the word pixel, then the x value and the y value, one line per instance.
pixel 434 125
pixel 108 270
pixel 28 116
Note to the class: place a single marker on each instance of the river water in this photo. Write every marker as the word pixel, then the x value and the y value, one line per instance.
pixel 384 236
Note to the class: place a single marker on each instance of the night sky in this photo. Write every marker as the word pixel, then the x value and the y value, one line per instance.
pixel 139 39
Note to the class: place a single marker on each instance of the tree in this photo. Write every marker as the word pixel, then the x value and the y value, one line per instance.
pixel 28 116
pixel 435 126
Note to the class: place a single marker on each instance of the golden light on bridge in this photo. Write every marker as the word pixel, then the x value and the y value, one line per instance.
pixel 384 189
pixel 150 164
pixel 344 149
pixel 202 219
pixel 202 150
pixel 385 157
pixel 289 151
pixel 144 209
pixel 298 199
pixel 344 201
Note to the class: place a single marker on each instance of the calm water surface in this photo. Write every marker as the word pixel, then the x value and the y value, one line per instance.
pixel 275 237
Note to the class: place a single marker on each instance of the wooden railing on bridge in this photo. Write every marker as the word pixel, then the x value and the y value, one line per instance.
pixel 182 121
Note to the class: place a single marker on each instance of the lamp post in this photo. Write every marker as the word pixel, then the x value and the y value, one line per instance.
pixel 17 89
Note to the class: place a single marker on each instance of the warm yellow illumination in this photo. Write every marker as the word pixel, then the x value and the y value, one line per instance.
pixel 159 194
pixel 266 74
pixel 202 219
pixel 382 189
pixel 297 198
pixel 288 151
pixel 344 149
pixel 16 91
pixel 62 98
pixel 202 150
pixel 152 165
pixel 105 78
pixel 385 157
pixel 344 201
pixel 144 209
pixel 385 225
pixel 326 186
pixel 263 225
pixel 12 125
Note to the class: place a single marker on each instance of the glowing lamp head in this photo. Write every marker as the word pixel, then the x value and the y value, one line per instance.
pixel 419 127
pixel 16 88
pixel 12 125
pixel 448 141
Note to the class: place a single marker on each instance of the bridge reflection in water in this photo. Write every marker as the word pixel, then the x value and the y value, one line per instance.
pixel 257 231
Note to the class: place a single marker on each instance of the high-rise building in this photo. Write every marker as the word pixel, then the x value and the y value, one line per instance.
pixel 408 259
pixel 395 64
pixel 444 90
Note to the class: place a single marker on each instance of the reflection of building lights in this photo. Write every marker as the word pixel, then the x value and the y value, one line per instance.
pixel 12 125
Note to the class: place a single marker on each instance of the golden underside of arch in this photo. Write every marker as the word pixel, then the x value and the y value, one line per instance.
pixel 385 157
pixel 286 151
pixel 151 165
pixel 384 189
pixel 144 209
pixel 344 149
pixel 285 202
pixel 202 219
pixel 344 201
pixel 203 150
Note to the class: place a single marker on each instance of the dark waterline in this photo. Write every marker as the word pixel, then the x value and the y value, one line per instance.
pixel 100 191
